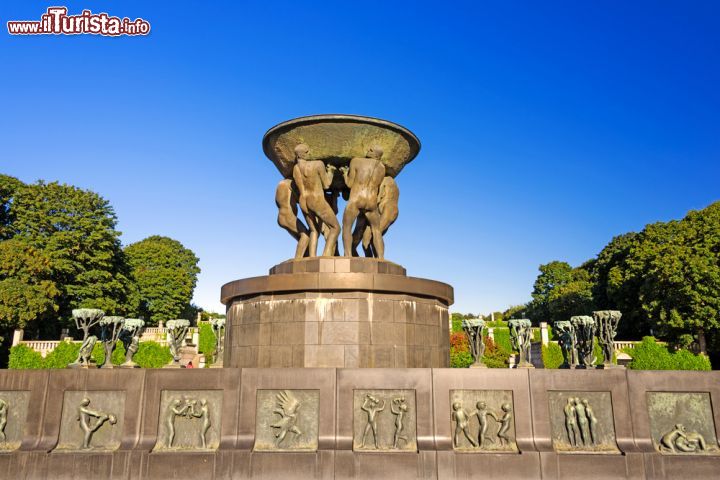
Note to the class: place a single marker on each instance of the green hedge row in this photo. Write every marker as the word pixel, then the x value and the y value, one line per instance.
pixel 207 342
pixel 149 355
pixel 647 355
pixel 651 355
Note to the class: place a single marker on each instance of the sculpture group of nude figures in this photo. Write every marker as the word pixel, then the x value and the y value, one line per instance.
pixel 91 420
pixel 187 408
pixel 372 406
pixel 462 419
pixel 580 422
pixel 371 196
pixel 680 440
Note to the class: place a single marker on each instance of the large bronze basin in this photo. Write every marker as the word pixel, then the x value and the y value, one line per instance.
pixel 336 139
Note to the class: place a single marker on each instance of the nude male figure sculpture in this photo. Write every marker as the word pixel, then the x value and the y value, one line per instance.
pixel 371 406
pixel 388 197
pixel 571 422
pixel 312 178
pixel 91 420
pixel 286 199
pixel 363 177
pixel 462 424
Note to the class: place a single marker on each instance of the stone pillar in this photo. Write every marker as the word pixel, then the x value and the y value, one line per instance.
pixel 196 337
pixel 544 336
pixel 491 334
pixel 17 336
pixel 337 312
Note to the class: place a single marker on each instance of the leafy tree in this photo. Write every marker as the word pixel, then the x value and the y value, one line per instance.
pixel 515 311
pixel 552 275
pixel 75 229
pixel 165 273
pixel 8 187
pixel 680 266
pixel 571 298
pixel 560 292
pixel 27 289
pixel 617 286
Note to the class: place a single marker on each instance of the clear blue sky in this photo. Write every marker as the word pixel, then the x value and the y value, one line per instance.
pixel 547 127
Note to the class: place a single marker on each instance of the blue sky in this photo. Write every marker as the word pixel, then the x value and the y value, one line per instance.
pixel 547 127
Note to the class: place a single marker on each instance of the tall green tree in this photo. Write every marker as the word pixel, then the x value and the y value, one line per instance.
pixel 561 291
pixel 679 262
pixel 8 187
pixel 617 284
pixel 27 290
pixel 75 229
pixel 165 273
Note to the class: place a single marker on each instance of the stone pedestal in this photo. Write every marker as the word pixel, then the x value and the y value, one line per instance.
pixel 337 312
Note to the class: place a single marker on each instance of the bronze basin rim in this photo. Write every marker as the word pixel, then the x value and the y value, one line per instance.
pixel 341 117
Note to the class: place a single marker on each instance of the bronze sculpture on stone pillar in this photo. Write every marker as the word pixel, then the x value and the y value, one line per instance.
pixel 85 319
pixel 218 327
pixel 520 337
pixel 176 333
pixel 473 329
pixel 111 327
pixel 584 327
pixel 606 323
pixel 567 342
pixel 130 338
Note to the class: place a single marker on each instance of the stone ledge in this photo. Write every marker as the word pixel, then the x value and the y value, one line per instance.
pixel 331 282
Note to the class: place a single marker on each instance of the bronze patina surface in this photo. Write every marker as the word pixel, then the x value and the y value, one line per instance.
pixel 91 421
pixel 248 395
pixel 189 420
pixel 337 138
pixel 681 423
pixel 483 421
pixel 582 422
pixel 13 416
pixel 287 420
pixel 384 420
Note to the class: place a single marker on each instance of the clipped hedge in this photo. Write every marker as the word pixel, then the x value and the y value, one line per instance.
pixel 460 358
pixel 552 355
pixel 152 355
pixel 501 337
pixel 207 342
pixel 149 355
pixel 24 357
pixel 651 355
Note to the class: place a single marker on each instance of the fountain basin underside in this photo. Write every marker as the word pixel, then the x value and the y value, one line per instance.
pixel 337 312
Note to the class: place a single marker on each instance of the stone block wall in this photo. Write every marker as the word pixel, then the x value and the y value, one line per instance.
pixel 359 423
pixel 337 329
